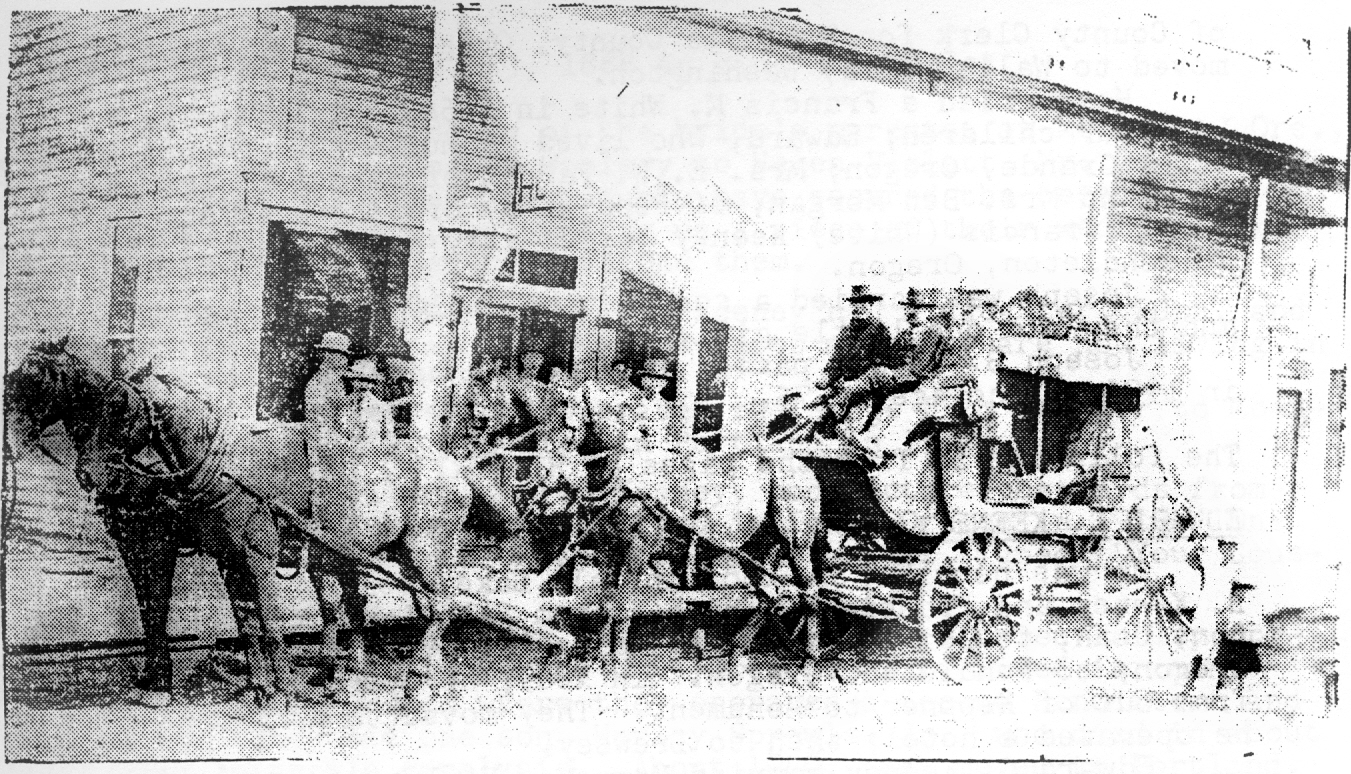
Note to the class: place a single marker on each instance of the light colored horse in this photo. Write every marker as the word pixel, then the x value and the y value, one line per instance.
pixel 761 504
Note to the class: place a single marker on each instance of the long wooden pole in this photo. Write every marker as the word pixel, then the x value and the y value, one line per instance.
pixel 1256 409
pixel 1098 280
pixel 429 320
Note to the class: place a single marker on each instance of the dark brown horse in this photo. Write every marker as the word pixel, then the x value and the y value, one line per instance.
pixel 158 490
pixel 761 505
pixel 170 472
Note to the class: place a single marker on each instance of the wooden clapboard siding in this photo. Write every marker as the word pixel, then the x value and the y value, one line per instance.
pixel 130 118
pixel 355 133
pixel 1177 237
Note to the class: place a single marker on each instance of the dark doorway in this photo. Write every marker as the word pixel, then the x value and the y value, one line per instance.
pixel 318 281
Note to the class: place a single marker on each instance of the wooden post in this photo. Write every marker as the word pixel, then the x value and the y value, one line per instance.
pixel 428 313
pixel 1041 417
pixel 1097 281
pixel 687 378
pixel 1256 397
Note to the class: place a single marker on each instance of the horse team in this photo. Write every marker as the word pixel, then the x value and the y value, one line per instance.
pixel 166 473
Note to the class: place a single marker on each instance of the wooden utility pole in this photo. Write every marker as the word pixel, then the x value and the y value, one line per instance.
pixel 428 321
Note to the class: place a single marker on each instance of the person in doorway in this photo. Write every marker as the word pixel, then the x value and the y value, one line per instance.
pixel 1242 631
pixel 1095 441
pixel 364 417
pixel 324 393
pixel 652 413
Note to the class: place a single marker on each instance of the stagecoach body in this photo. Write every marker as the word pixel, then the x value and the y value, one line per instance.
pixel 948 535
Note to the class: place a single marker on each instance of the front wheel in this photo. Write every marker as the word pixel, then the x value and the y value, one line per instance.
pixel 975 604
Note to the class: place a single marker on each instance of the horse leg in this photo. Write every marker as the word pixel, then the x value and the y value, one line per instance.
pixel 738 662
pixel 430 550
pixel 643 543
pixel 609 593
pixel 800 558
pixel 150 556
pixel 251 582
pixel 244 605
pixel 695 577
pixel 354 604
pixel 329 596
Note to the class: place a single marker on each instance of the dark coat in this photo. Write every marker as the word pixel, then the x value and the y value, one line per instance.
pixel 920 349
pixel 858 348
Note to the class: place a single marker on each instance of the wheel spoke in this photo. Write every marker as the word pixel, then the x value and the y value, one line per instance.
pixel 949 615
pixel 1118 628
pixel 1165 630
pixel 957 573
pixel 954 593
pixel 1169 601
pixel 1130 591
pixel 1144 566
pixel 966 650
pixel 952 637
pixel 981 626
pixel 1004 592
pixel 1012 619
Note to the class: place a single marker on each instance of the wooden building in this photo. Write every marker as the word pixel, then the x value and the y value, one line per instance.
pixel 220 187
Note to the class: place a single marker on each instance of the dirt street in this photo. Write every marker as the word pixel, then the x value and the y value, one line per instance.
pixel 1063 702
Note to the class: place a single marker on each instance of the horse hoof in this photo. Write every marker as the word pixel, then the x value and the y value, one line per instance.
pixel 739 667
pixel 595 677
pixel 804 678
pixel 154 699
pixel 419 700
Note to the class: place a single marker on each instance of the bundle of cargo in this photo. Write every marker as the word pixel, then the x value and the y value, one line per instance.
pixel 1110 321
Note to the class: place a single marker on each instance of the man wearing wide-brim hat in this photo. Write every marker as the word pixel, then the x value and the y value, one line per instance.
pixel 324 393
pixel 365 417
pixel 652 415
pixel 915 358
pixel 864 343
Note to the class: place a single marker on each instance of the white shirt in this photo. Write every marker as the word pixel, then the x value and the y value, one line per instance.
pixel 366 419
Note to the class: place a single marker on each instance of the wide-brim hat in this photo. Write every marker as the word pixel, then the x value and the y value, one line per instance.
pixel 657 368
pixel 364 370
pixel 335 342
pixel 862 294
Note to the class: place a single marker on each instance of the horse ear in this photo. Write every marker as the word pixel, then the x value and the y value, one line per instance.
pixel 61 343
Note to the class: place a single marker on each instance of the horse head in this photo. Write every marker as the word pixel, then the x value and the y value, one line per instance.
pixel 38 394
pixel 593 432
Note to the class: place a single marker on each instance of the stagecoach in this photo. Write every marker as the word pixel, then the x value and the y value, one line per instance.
pixel 950 537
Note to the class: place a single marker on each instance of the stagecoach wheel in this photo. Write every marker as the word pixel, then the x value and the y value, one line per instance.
pixel 1146 581
pixel 975 605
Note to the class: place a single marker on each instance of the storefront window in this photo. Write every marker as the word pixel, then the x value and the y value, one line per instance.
pixel 531 267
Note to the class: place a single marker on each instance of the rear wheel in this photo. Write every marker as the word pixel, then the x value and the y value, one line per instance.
pixel 975 604
pixel 1146 582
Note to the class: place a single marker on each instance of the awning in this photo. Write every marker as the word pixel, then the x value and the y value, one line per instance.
pixel 778 185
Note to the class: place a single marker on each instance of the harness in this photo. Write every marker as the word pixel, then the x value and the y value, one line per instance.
pixel 174 467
